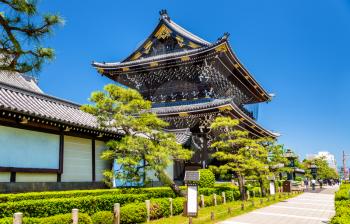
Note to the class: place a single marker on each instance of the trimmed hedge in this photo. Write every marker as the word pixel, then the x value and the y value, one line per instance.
pixel 342 205
pixel 103 217
pixel 50 207
pixel 104 201
pixel 57 219
pixel 206 178
pixel 153 192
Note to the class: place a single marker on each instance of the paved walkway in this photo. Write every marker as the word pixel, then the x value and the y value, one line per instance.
pixel 308 208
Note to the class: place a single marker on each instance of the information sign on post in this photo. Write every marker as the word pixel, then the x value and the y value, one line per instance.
pixel 191 180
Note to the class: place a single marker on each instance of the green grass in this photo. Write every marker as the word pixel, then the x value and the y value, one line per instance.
pixel 221 211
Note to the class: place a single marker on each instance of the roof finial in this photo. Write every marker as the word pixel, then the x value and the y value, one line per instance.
pixel 164 14
pixel 224 37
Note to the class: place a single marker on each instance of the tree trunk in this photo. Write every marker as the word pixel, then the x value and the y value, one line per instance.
pixel 166 180
pixel 262 188
pixel 241 187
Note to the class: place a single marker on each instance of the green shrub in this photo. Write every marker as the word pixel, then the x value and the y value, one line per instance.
pixel 342 205
pixel 50 207
pixel 103 217
pixel 155 192
pixel 57 219
pixel 133 213
pixel 206 178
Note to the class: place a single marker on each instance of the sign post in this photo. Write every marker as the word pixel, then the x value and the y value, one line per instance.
pixel 191 180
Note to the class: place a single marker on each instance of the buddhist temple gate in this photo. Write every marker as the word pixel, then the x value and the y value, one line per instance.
pixel 190 81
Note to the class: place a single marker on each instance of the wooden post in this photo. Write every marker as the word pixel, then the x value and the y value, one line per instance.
pixel 214 199
pixel 116 210
pixel 261 201
pixel 242 206
pixel 223 197
pixel 148 208
pixel 190 220
pixel 253 194
pixel 18 218
pixel 248 196
pixel 252 201
pixel 229 210
pixel 268 198
pixel 212 217
pixel 202 201
pixel 75 216
pixel 171 207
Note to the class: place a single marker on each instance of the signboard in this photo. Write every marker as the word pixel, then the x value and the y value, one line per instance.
pixel 272 187
pixel 191 176
pixel 192 200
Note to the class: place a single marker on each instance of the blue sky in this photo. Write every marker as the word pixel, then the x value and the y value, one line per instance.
pixel 297 49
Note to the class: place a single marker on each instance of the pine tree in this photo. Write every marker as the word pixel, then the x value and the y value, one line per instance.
pixel 236 151
pixel 145 146
pixel 23 31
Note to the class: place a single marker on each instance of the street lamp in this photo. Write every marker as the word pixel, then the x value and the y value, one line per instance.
pixel 291 156
pixel 313 168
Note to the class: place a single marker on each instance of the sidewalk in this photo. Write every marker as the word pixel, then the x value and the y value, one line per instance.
pixel 308 208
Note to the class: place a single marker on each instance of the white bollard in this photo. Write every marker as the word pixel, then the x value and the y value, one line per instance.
pixel 202 201
pixel 75 216
pixel 215 201
pixel 171 207
pixel 18 218
pixel 148 208
pixel 116 213
pixel 223 197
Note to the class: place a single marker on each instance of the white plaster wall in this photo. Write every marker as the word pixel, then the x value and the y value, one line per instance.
pixel 36 177
pixel 28 149
pixel 5 177
pixel 77 163
pixel 100 164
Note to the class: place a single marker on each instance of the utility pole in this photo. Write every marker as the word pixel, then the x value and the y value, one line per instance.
pixel 344 165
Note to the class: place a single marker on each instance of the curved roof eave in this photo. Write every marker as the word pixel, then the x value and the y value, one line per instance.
pixel 216 104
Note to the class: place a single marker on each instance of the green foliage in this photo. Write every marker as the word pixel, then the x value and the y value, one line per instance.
pixel 342 205
pixel 154 192
pixel 207 178
pixel 103 217
pixel 57 219
pixel 133 213
pixel 238 153
pixel 324 171
pixel 23 32
pixel 50 207
pixel 145 146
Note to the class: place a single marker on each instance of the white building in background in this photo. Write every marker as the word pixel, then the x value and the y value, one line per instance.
pixel 330 158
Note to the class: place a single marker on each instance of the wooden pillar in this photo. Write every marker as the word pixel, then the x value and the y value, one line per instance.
pixel 60 158
pixel 223 197
pixel 93 153
pixel 171 206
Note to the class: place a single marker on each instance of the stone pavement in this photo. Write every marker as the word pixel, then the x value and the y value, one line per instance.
pixel 308 208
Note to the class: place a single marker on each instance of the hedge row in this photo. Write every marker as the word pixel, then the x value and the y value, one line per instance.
pixel 57 219
pixel 342 205
pixel 154 192
pixel 50 207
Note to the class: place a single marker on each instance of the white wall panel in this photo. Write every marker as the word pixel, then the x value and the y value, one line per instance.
pixel 5 177
pixel 100 164
pixel 36 177
pixel 28 149
pixel 77 163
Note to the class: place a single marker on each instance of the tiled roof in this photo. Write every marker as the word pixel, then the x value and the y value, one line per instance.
pixel 32 103
pixel 152 58
pixel 179 29
pixel 182 135
pixel 20 80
